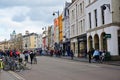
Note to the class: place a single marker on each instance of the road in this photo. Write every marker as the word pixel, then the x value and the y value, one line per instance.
pixel 51 68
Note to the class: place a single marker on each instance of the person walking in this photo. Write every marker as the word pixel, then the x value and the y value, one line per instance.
pixel 31 56
pixel 71 54
pixel 89 55
pixel 26 53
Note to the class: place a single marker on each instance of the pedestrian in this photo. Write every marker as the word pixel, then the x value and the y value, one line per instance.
pixel 26 55
pixel 102 56
pixel 90 55
pixel 31 56
pixel 71 54
pixel 1 65
pixel 51 52
pixel 35 59
pixel 96 55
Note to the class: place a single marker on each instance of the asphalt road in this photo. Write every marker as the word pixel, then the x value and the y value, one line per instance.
pixel 51 68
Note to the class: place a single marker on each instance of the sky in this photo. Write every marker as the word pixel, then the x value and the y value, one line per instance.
pixel 31 15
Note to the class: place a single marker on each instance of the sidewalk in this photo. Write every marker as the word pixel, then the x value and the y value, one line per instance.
pixel 117 63
pixel 4 75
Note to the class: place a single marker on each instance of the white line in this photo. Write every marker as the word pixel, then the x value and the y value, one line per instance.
pixel 16 75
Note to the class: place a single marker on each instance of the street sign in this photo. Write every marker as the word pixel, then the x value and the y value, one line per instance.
pixel 107 35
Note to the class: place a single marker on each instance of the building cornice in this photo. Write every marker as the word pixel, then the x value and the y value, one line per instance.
pixel 104 26
pixel 73 4
pixel 91 3
pixel 30 35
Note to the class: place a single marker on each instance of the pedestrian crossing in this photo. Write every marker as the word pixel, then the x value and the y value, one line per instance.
pixel 16 75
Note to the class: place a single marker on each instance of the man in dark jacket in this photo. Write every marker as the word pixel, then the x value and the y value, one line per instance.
pixel 31 56
pixel 71 54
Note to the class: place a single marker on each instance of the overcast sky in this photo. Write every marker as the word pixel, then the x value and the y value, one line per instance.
pixel 31 15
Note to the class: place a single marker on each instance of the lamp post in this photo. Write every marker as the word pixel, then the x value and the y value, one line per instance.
pixel 57 12
pixel 105 5
pixel 54 13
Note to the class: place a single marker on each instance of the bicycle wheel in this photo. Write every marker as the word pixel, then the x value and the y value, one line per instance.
pixel 6 67
pixel 17 68
pixel 28 66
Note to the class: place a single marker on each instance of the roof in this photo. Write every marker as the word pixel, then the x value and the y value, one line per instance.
pixel 30 34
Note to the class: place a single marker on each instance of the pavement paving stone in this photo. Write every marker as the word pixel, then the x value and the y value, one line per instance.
pixel 116 63
pixel 4 75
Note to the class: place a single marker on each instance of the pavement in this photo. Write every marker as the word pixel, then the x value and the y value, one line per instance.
pixel 4 75
pixel 116 63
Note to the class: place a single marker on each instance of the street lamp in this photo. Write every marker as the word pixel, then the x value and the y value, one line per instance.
pixel 54 13
pixel 104 6
pixel 57 12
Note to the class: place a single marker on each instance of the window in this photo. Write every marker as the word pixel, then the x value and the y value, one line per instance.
pixel 103 17
pixel 35 37
pixel 72 14
pixel 83 25
pixel 83 7
pixel 73 30
pixel 79 28
pixel 80 8
pixel 89 20
pixel 89 1
pixel 95 12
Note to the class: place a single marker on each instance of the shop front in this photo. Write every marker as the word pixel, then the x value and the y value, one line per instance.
pixel 82 45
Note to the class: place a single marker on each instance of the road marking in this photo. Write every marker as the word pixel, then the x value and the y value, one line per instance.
pixel 16 75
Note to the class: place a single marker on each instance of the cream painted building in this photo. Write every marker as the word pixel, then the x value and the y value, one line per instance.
pixel 30 41
pixel 7 45
pixel 103 25
pixel 77 27
pixel 4 45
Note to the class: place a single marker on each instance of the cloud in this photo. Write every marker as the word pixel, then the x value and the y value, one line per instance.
pixel 31 15
pixel 31 3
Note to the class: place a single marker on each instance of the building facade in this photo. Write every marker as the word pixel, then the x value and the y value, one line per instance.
pixel 18 42
pixel 45 39
pixel 66 28
pixel 103 25
pixel 49 37
pixel 56 31
pixel 77 27
pixel 39 42
pixel 30 41
pixel 60 23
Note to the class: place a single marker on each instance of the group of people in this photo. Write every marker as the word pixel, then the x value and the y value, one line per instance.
pixel 16 54
pixel 58 53
pixel 32 55
pixel 96 55
pixel 8 53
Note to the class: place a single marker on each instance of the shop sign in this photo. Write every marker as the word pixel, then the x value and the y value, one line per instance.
pixel 107 35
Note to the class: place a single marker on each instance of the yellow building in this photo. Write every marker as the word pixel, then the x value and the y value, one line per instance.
pixel 30 41
pixel 60 28
pixel 6 45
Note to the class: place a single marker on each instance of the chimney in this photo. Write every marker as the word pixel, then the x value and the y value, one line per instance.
pixel 27 32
